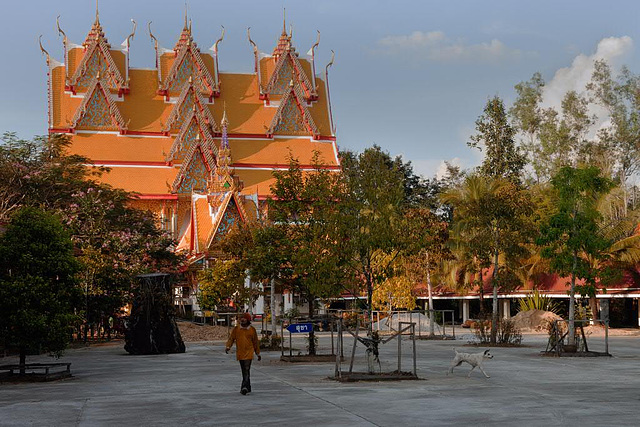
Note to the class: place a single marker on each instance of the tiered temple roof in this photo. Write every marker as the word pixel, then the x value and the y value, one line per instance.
pixel 198 146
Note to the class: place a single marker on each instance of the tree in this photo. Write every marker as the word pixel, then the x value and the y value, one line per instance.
pixel 426 249
pixel 308 207
pixel 222 281
pixel 395 292
pixel 571 234
pixel 502 158
pixel 527 117
pixel 38 285
pixel 372 212
pixel 113 241
pixel 621 98
pixel 491 215
pixel 555 138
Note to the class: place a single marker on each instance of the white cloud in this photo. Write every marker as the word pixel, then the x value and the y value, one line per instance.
pixel 414 40
pixel 576 76
pixel 442 168
pixel 436 46
pixel 429 168
pixel 614 50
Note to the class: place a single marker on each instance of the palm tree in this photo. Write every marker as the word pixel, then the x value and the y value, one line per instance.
pixel 489 226
pixel 619 226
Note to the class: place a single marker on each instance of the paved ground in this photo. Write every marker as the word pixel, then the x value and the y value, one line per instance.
pixel 201 387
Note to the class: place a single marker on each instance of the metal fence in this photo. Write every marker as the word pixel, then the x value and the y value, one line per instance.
pixel 297 337
pixel 585 342
pixel 443 322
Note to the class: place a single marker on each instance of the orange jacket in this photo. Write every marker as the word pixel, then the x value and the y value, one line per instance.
pixel 246 340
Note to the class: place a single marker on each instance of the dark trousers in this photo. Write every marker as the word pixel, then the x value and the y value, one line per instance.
pixel 245 365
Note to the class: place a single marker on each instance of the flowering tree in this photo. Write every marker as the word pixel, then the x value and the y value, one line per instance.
pixel 113 241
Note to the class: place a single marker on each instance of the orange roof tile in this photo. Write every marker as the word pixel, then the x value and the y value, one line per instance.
pixel 204 222
pixel 143 180
pixel 256 181
pixel 120 148
pixel 138 155
pixel 277 151
pixel 142 107
pixel 64 105
pixel 145 111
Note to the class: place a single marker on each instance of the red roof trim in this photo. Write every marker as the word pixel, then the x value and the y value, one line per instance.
pixel 280 166
pixel 155 197
pixel 129 163
pixel 231 135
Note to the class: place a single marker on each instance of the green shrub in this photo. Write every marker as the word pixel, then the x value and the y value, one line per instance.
pixel 270 342
pixel 508 333
pixel 538 301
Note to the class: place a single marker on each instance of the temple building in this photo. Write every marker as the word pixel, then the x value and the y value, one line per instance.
pixel 196 145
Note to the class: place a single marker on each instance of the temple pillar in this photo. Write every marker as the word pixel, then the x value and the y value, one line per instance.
pixel 506 308
pixel 258 306
pixel 288 301
pixel 465 310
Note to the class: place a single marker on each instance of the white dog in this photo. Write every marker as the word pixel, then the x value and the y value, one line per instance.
pixel 474 359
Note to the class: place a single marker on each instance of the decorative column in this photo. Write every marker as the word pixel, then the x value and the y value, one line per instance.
pixel 288 301
pixel 506 308
pixel 258 306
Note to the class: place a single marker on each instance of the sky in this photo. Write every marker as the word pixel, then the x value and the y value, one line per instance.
pixel 409 76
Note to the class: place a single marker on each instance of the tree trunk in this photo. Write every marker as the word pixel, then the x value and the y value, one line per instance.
pixel 23 360
pixel 312 334
pixel 431 313
pixel 572 302
pixel 593 302
pixel 273 309
pixel 625 193
pixel 494 313
pixel 369 301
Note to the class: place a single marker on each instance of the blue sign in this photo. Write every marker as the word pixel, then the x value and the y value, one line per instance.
pixel 300 328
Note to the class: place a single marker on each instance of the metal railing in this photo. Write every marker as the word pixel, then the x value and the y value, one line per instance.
pixel 559 336
pixel 443 320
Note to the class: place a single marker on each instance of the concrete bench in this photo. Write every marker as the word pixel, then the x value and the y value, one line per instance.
pixel 44 371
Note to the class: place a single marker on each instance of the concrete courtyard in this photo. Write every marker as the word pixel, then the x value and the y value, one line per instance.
pixel 201 387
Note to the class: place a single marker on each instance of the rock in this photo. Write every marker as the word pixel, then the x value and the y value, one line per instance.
pixel 534 320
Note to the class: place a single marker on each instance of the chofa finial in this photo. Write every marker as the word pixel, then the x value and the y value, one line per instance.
pixel 333 56
pixel 315 45
pixel 255 47
pixel 64 35
pixel 43 50
pixel 215 45
pixel 133 32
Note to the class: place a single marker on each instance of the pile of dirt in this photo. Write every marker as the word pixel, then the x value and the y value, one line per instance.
pixel 534 320
pixel 192 332
pixel 599 330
